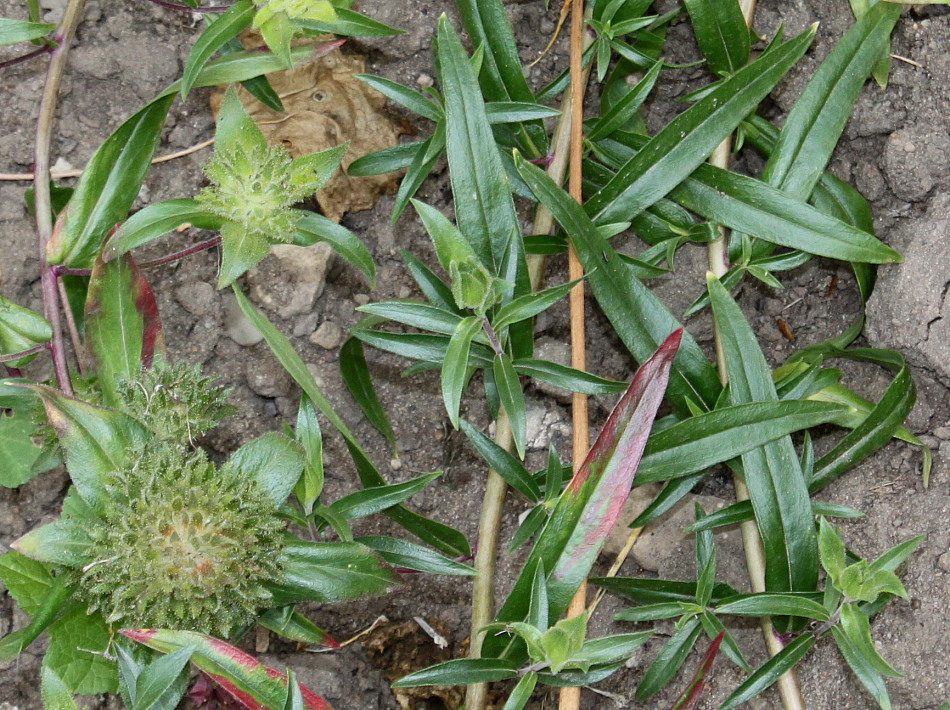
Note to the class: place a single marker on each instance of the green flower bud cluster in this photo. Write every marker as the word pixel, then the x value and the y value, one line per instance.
pixel 318 10
pixel 182 544
pixel 253 188
pixel 174 402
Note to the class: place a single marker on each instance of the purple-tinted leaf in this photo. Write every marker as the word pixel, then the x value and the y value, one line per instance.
pixel 246 679
pixel 590 505
pixel 690 696
pixel 122 325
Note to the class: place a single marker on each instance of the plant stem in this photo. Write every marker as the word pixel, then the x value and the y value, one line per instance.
pixel 23 353
pixel 188 251
pixel 787 684
pixel 494 499
pixel 46 49
pixel 188 8
pixel 570 697
pixel 41 191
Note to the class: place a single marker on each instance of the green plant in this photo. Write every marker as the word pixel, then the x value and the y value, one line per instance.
pixel 155 535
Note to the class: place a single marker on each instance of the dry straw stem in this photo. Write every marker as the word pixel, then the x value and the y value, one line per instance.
pixel 483 605
pixel 787 685
pixel 570 698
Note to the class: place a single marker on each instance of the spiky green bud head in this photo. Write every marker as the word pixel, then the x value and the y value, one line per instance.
pixel 182 544
pixel 174 402
pixel 317 10
pixel 253 186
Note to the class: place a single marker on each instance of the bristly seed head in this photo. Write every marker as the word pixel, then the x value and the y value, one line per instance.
pixel 183 544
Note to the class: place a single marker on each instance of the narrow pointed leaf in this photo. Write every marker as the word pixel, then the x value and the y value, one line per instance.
pixel 814 124
pixel 769 672
pixel 857 629
pixel 216 35
pixel 409 555
pixel 108 186
pixel 379 498
pixel 773 473
pixel 619 295
pixel 293 625
pixel 685 142
pixel 721 33
pixel 445 538
pixel 243 677
pixel 358 381
pixel 62 542
pixel 460 671
pixel 671 657
pixel 870 678
pixel 766 604
pixel 503 463
pixel 456 370
pixel 156 220
pixel 159 676
pixel 512 399
pixel 12 31
pixel 590 505
pixel 521 693
pixel 54 603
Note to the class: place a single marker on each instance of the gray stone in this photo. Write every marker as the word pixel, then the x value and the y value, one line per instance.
pixel 265 378
pixel 328 336
pixel 910 310
pixel 11 202
pixel 660 538
pixel 915 161
pixel 236 324
pixel 558 351
pixel 197 297
pixel 306 324
pixel 291 278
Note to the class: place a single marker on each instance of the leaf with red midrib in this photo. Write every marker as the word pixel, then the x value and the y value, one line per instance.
pixel 242 676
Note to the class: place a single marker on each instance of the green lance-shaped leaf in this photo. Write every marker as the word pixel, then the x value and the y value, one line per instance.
pixel 777 487
pixel 240 675
pixel 456 370
pixel 675 151
pixel 721 33
pixel 52 604
pixel 22 31
pixel 159 677
pixel 441 536
pixel 619 294
pixel 378 498
pixel 402 553
pixel 97 441
pixel 503 463
pixel 671 657
pixel 460 671
pixel 123 330
pixel 62 542
pixel 330 571
pixel 484 207
pixel 624 109
pixel 512 399
pixel 713 437
pixel 874 432
pixel 590 505
pixel 815 122
pixel 215 36
pixel 156 220
pixel 351 24
pixel 766 604
pixel 108 186
pixel 20 329
pixel 358 381
pixel 307 432
pixel 865 672
pixel 645 590
pixel 769 672
pixel 293 625
pixel 238 67
pixel 18 453
pixel 313 228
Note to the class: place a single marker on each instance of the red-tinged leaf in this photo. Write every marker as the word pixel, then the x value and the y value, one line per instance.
pixel 122 325
pixel 690 696
pixel 590 505
pixel 243 677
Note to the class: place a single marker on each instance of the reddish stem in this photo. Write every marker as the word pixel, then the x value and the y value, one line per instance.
pixel 188 8
pixel 24 57
pixel 23 353
pixel 201 246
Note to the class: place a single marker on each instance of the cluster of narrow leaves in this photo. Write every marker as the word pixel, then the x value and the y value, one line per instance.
pixel 657 186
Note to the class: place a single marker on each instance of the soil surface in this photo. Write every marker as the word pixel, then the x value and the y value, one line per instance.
pixel 894 149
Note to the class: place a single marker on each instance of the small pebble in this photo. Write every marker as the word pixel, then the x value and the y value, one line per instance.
pixel 328 336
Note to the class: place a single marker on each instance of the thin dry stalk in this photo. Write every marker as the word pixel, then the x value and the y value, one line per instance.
pixel 570 698
pixel 788 688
